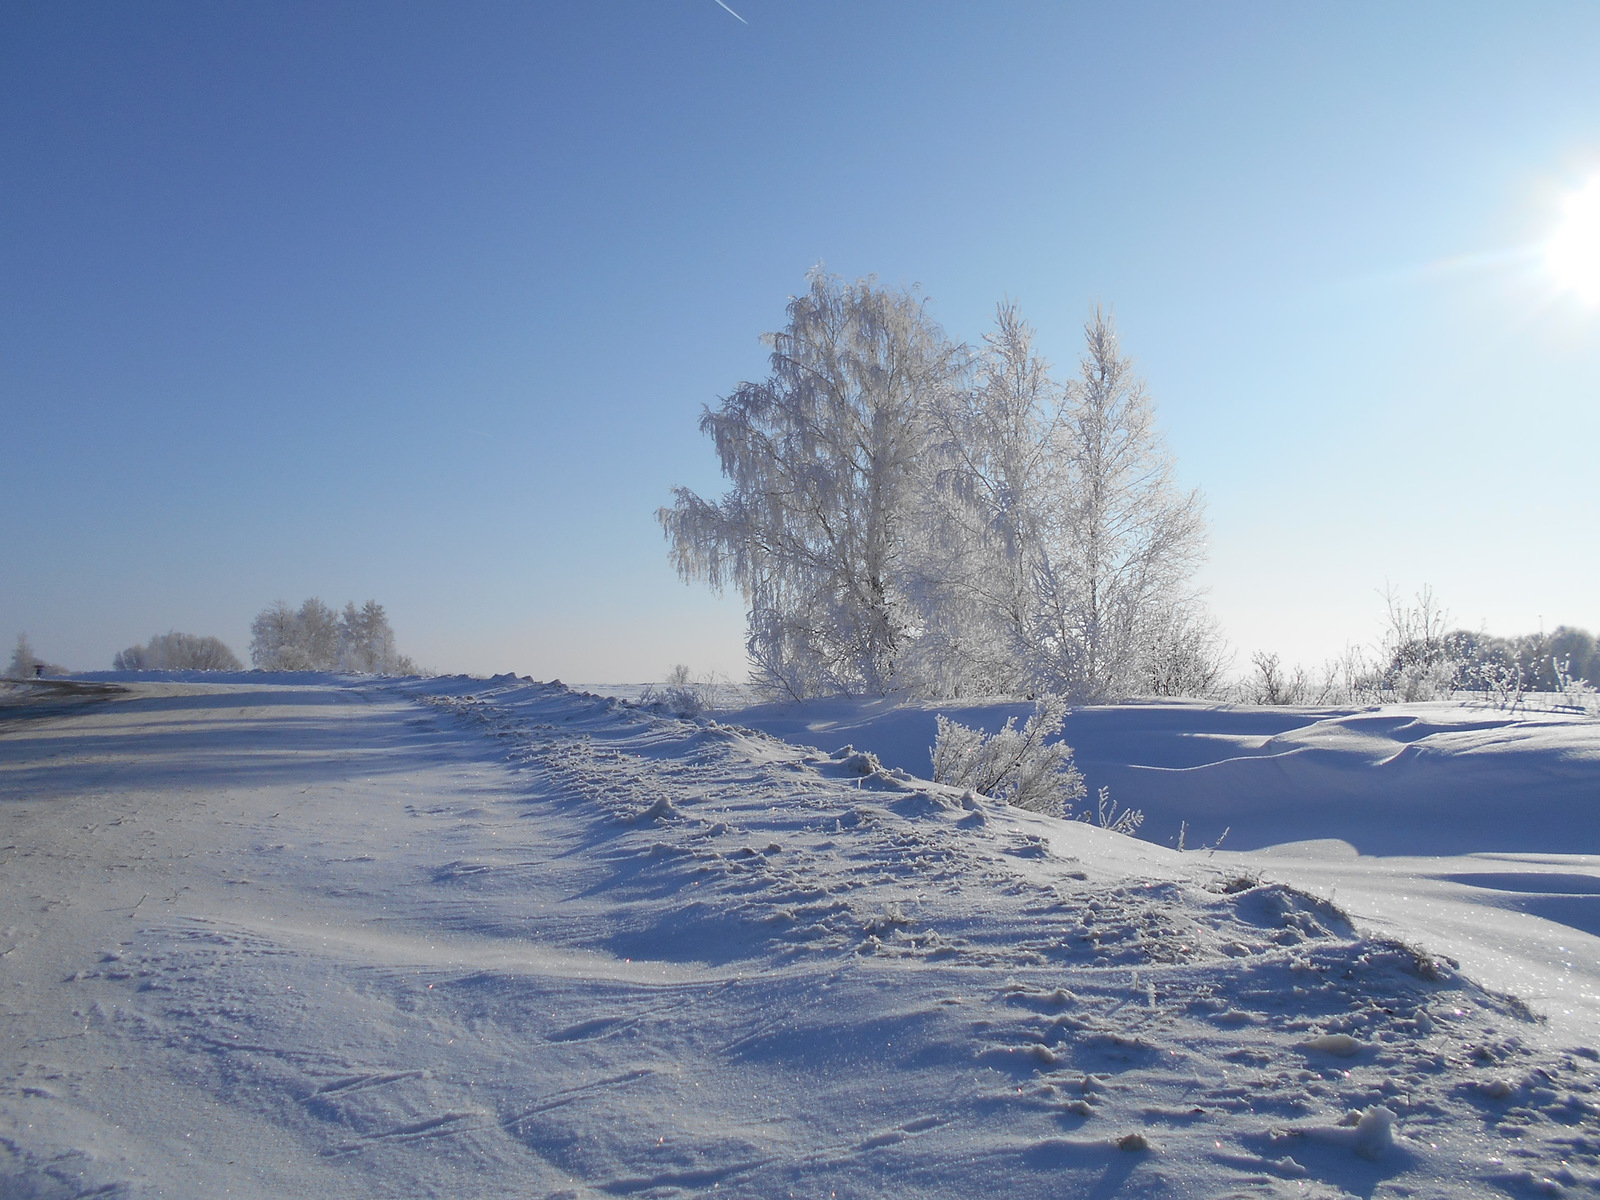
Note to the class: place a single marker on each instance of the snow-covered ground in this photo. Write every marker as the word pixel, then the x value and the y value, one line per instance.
pixel 1445 777
pixel 455 937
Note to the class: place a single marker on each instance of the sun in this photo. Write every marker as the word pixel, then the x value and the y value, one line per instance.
pixel 1572 255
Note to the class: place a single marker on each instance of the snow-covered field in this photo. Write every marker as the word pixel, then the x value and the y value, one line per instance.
pixel 451 937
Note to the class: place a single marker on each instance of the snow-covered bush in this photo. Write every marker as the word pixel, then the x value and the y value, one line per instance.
pixel 682 695
pixel 1504 669
pixel 178 652
pixel 1576 693
pixel 1273 683
pixel 1577 653
pixel 1415 659
pixel 315 638
pixel 1422 681
pixel 1020 767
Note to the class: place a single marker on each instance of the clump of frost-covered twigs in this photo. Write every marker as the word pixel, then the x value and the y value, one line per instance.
pixel 1108 816
pixel 682 695
pixel 1017 766
pixel 1578 694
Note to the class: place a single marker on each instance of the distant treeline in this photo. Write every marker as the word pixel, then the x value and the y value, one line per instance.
pixel 1419 657
pixel 311 638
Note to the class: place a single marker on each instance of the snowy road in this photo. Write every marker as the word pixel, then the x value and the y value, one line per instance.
pixel 487 938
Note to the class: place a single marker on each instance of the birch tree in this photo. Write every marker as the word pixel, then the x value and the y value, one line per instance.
pixel 367 643
pixel 825 458
pixel 1064 544
pixel 995 476
pixel 1117 551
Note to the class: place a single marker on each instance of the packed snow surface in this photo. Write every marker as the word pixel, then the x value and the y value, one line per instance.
pixel 330 936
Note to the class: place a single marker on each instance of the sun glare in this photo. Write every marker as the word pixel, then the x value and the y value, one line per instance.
pixel 1573 253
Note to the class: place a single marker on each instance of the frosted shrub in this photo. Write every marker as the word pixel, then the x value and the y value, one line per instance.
pixel 1578 694
pixel 1017 766
pixel 1126 820
pixel 1273 683
pixel 1503 685
pixel 1418 657
pixel 682 695
pixel 178 652
pixel 1420 661
pixel 1424 681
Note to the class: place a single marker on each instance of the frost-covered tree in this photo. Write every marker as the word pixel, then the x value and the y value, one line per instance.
pixel 315 638
pixel 367 644
pixel 826 460
pixel 319 634
pixel 275 640
pixel 287 639
pixel 994 474
pixel 908 516
pixel 23 659
pixel 178 652
pixel 1067 546
pixel 1187 654
pixel 1116 554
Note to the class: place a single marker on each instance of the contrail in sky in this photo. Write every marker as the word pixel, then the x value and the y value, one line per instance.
pixel 741 20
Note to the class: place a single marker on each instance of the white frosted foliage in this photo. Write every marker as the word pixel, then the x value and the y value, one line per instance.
pixel 909 515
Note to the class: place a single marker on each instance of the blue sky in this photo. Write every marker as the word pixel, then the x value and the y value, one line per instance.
pixel 420 302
